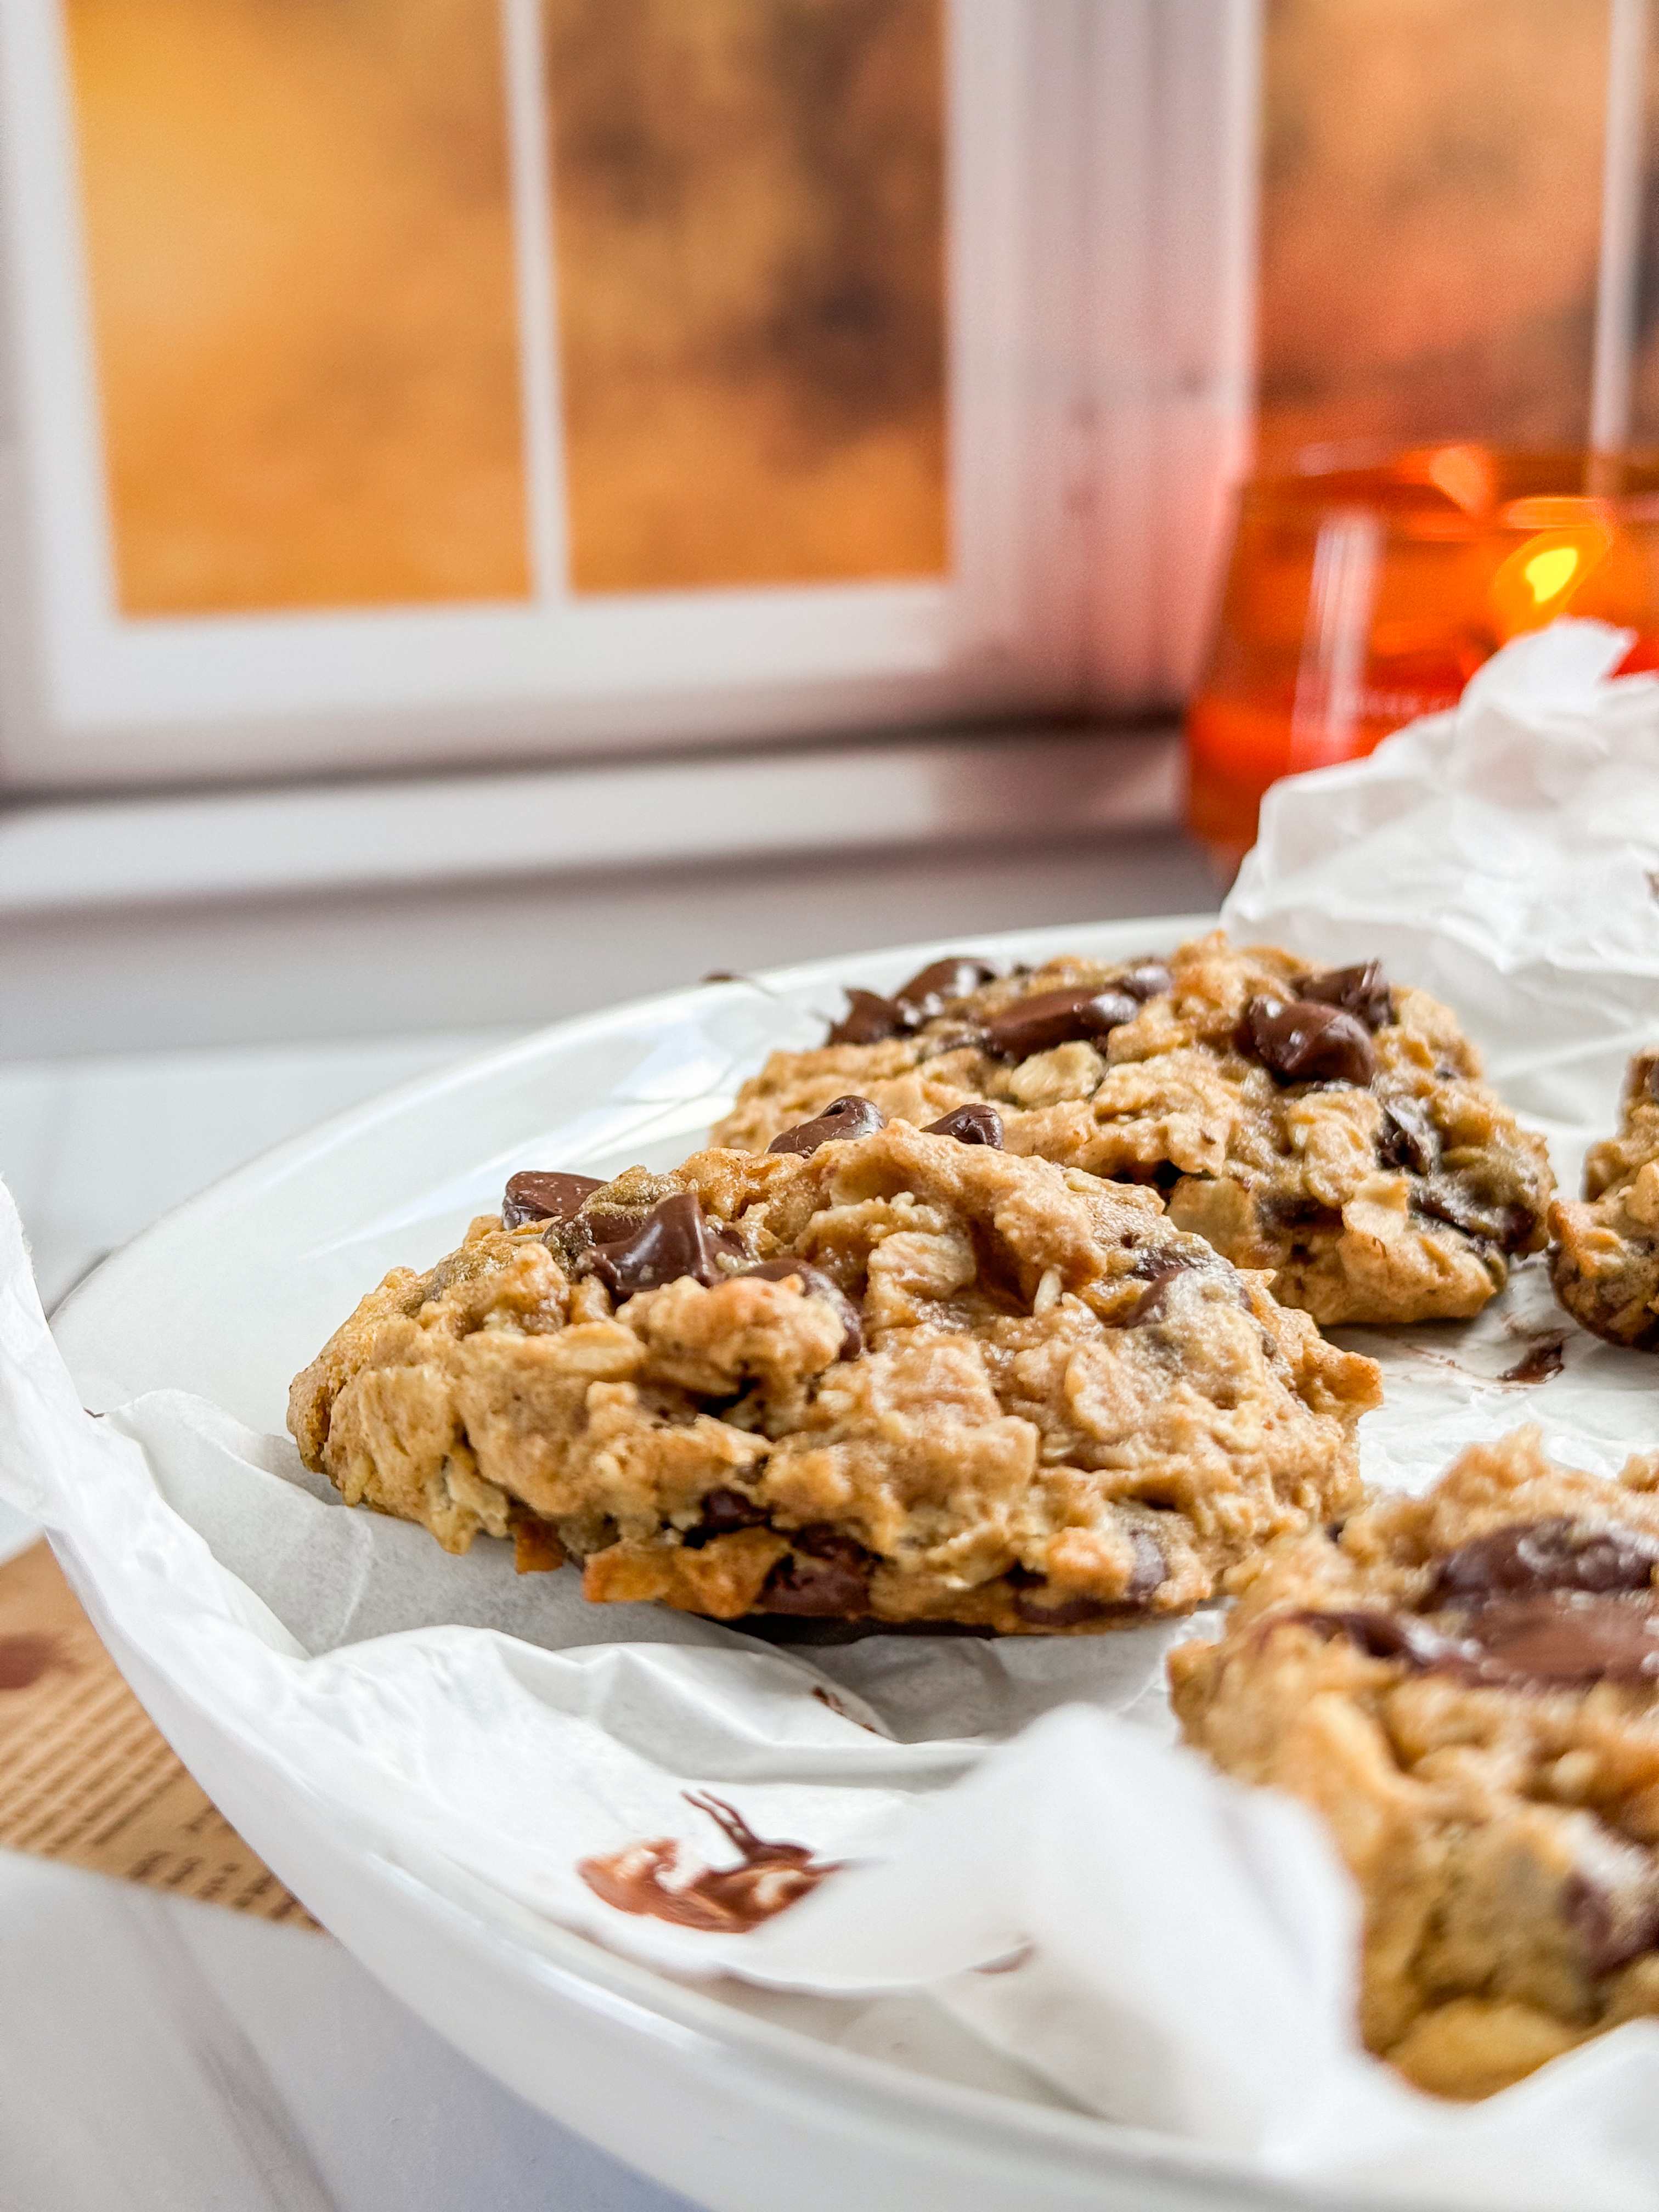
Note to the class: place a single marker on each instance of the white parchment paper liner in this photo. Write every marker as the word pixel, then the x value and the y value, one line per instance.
pixel 1167 1949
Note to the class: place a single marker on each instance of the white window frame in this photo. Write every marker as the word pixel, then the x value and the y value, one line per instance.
pixel 1100 178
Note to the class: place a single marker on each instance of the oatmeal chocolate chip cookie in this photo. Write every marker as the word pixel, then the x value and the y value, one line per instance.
pixel 1605 1257
pixel 900 1376
pixel 1466 1688
pixel 1327 1126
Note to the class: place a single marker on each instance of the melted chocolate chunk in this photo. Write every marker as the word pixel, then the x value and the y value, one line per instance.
pixel 1530 1556
pixel 1307 1042
pixel 1644 1076
pixel 815 1284
pixel 826 1573
pixel 1292 1211
pixel 535 1196
pixel 725 1512
pixel 1362 991
pixel 1551 1639
pixel 1151 1568
pixel 1443 1198
pixel 1065 1613
pixel 930 988
pixel 1409 1138
pixel 1611 1906
pixel 1379 1635
pixel 1147 1574
pixel 869 1020
pixel 1054 1017
pixel 1564 1638
pixel 1158 1267
pixel 851 1116
pixel 1147 979
pixel 673 1240
pixel 978 1124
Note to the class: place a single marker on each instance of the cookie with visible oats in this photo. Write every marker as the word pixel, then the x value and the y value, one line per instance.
pixel 1465 1686
pixel 879 1374
pixel 1327 1126
pixel 1604 1257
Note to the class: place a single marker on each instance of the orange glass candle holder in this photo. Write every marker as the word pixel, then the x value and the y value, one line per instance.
pixel 1365 589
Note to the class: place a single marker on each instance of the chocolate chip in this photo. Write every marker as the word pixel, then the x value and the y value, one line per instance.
pixel 1444 1197
pixel 1294 1211
pixel 535 1196
pixel 725 1512
pixel 1644 1077
pixel 827 1572
pixel 1158 1267
pixel 815 1284
pixel 869 1020
pixel 674 1240
pixel 1149 1571
pixel 1613 1906
pixel 977 1124
pixel 1408 1138
pixel 1560 1554
pixel 1303 1041
pixel 1054 1017
pixel 1066 1612
pixel 842 1118
pixel 1151 1568
pixel 1362 991
pixel 1147 979
pixel 930 988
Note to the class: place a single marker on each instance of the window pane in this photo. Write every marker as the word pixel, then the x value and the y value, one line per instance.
pixel 748 208
pixel 1431 219
pixel 301 260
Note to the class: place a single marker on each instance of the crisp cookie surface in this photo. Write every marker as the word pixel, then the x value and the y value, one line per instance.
pixel 1008 1395
pixel 1466 1688
pixel 1400 1197
pixel 1605 1257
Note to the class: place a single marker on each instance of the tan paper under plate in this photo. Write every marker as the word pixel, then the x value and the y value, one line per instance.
pixel 84 1775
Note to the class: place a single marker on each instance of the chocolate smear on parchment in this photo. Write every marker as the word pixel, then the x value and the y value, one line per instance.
pixel 646 1878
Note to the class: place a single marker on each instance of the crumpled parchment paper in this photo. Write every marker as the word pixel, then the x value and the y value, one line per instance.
pixel 1020 1837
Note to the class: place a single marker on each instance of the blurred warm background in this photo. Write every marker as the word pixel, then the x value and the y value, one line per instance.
pixel 300 228
pixel 300 221
pixel 1430 222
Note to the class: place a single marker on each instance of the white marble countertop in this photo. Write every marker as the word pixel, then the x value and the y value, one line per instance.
pixel 161 2055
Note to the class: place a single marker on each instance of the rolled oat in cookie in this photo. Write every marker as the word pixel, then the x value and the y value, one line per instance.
pixel 1604 1260
pixel 1465 1686
pixel 901 1377
pixel 1324 1124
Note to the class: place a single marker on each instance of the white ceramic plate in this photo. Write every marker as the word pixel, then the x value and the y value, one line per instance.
pixel 745 2103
